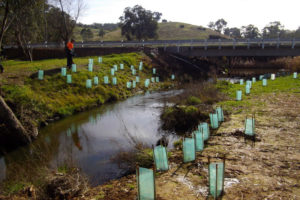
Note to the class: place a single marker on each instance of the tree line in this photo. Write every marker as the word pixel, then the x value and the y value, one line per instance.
pixel 272 30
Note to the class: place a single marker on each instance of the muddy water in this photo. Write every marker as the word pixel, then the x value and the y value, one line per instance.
pixel 89 140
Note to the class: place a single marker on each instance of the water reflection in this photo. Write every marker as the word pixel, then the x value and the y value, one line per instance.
pixel 89 140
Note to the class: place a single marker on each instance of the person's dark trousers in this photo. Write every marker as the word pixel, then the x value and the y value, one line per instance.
pixel 69 60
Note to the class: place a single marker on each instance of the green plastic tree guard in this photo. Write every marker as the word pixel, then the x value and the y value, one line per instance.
pixel 152 79
pixel 264 82
pixel 273 77
pixel 90 67
pixel 69 78
pixel 295 75
pixel 133 84
pixel 141 66
pixel 146 184
pixel 216 179
pixel 74 68
pixel 128 85
pixel 160 158
pixel 157 79
pixel 41 74
pixel 250 126
pixel 137 79
pixel 116 68
pixel 199 138
pixel 204 128
pixel 147 83
pixel 133 71
pixel 189 152
pixel 249 83
pixel 91 61
pixel 114 80
pixel 247 89
pixel 239 95
pixel 99 59
pixel 121 66
pixel 131 67
pixel 173 77
pixel 220 113
pixel 112 71
pixel 96 80
pixel 261 77
pixel 241 82
pixel 253 80
pixel 64 71
pixel 89 83
pixel 69 132
pixel 105 79
pixel 154 70
pixel 214 122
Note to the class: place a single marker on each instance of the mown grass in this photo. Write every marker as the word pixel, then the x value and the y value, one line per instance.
pixel 52 96
pixel 285 84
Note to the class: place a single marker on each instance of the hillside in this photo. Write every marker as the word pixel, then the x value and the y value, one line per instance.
pixel 166 31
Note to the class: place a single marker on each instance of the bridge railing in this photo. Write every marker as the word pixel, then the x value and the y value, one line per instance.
pixel 291 42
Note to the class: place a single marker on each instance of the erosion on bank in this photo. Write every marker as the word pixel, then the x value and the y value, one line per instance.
pixel 38 102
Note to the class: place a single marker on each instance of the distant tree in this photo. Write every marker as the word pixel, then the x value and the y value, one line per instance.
pixel 164 21
pixel 101 32
pixel 233 32
pixel 273 30
pixel 8 12
pixel 70 10
pixel 139 23
pixel 297 33
pixel 218 26
pixel 250 31
pixel 86 34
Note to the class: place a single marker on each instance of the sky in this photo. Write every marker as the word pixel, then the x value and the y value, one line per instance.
pixel 200 12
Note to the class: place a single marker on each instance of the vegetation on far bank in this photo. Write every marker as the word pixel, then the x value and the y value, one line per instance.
pixel 41 100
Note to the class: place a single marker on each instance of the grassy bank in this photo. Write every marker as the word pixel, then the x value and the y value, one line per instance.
pixel 35 101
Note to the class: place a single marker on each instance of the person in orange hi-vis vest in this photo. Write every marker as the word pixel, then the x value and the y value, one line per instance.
pixel 70 53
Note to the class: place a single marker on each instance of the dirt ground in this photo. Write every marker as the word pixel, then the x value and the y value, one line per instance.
pixel 266 169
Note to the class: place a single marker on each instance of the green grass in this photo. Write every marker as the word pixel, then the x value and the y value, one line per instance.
pixel 54 97
pixel 166 31
pixel 281 84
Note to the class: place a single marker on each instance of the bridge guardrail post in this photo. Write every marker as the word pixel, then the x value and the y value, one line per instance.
pixel 248 44
pixel 293 43
pixel 262 44
pixel 234 43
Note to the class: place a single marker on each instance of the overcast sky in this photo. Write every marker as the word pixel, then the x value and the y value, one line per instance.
pixel 200 12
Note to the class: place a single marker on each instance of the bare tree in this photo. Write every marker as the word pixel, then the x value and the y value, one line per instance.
pixel 71 10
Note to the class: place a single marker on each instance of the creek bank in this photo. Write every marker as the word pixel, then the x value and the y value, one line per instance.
pixel 266 169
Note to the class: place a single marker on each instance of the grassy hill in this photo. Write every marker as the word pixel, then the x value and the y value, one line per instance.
pixel 166 31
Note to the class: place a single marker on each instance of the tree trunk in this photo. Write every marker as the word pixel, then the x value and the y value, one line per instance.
pixel 16 134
